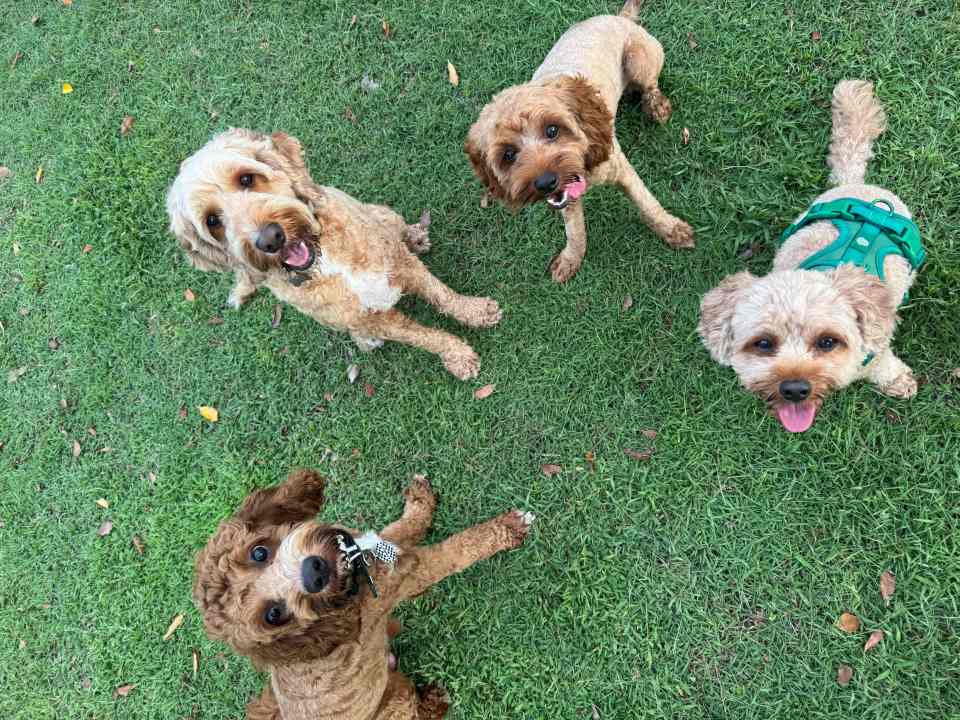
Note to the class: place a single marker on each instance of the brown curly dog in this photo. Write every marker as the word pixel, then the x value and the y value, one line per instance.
pixel 553 137
pixel 311 602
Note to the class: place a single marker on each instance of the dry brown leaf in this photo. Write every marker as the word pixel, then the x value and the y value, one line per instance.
pixel 215 320
pixel 353 372
pixel 385 26
pixel 484 392
pixel 126 126
pixel 76 448
pixel 23 644
pixel 4 172
pixel 68 2
pixel 956 373
pixel 369 390
pixel 452 75
pixel 649 434
pixel 348 114
pixel 875 637
pixel 844 674
pixel 174 624
pixel 103 502
pixel 35 19
pixel 39 176
pixel 550 470
pixel 353 21
pixel 328 397
pixel 53 343
pixel 692 41
pixel 685 136
pixel 815 36
pixel 627 303
pixel 188 295
pixel 182 412
pixel 277 316
pixel 105 528
pixel 86 248
pixel 16 59
pixel 137 544
pixel 848 622
pixel 639 455
pixel 594 713
pixel 16 374
pixel 888 586
pixel 123 690
pixel 209 413
pixel 195 656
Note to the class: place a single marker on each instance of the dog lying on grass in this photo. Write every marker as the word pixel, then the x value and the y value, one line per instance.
pixel 311 602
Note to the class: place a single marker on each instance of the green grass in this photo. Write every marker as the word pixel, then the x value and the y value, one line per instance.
pixel 702 584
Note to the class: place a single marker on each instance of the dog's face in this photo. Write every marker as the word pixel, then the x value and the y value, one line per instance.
pixel 540 140
pixel 272 582
pixel 794 336
pixel 244 201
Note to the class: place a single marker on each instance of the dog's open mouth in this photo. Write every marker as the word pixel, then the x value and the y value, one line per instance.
pixel 568 193
pixel 297 256
pixel 797 417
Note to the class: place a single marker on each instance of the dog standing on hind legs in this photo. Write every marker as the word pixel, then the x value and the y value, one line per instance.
pixel 311 602
pixel 552 138
pixel 825 316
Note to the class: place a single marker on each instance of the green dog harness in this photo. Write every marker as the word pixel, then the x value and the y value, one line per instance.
pixel 868 233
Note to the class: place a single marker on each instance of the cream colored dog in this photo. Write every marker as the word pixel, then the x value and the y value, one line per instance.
pixel 245 202
pixel 552 138
pixel 794 336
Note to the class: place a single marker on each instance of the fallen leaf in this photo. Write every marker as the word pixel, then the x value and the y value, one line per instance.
pixel 137 544
pixel 888 585
pixel 368 84
pixel 188 295
pixel 594 713
pixel 815 36
pixel 750 250
pixel 126 126
pixel 103 502
pixel 692 41
pixel 452 75
pixel 848 622
pixel 16 248
pixel 68 2
pixel 328 397
pixel 16 374
pixel 105 529
pixel 130 66
pixel 16 58
pixel 639 455
pixel 53 343
pixel 39 176
pixel 386 28
pixel 649 434
pixel 209 413
pixel 483 392
pixel 215 320
pixel 23 644
pixel 277 316
pixel 875 637
pixel 353 21
pixel 76 448
pixel 369 390
pixel 182 412
pixel 35 19
pixel 627 303
pixel 891 417
pixel 485 200
pixel 550 470
pixel 86 248
pixel 348 114
pixel 844 674
pixel 590 457
pixel 195 656
pixel 353 372
pixel 174 624
pixel 4 172
pixel 105 450
pixel 123 690
pixel 685 136
pixel 66 88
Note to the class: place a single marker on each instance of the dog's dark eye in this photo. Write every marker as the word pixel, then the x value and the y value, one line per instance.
pixel 213 221
pixel 552 131
pixel 827 343
pixel 275 614
pixel 509 155
pixel 260 554
pixel 764 344
pixel 245 180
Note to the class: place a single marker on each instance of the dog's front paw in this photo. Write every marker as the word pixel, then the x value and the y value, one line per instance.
pixel 657 106
pixel 904 386
pixel 462 364
pixel 563 267
pixel 235 299
pixel 434 701
pixel 518 524
pixel 420 492
pixel 679 235
pixel 417 239
pixel 480 312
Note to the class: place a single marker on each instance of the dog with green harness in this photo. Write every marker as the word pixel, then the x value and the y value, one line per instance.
pixel 825 316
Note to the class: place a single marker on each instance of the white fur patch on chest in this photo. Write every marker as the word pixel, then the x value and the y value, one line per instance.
pixel 373 289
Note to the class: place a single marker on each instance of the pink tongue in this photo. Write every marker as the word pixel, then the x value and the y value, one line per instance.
pixel 575 189
pixel 797 417
pixel 297 255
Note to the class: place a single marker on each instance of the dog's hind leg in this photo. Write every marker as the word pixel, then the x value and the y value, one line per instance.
pixel 642 63
pixel 471 311
pixel 420 502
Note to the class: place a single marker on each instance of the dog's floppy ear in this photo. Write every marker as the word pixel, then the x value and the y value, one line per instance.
pixel 593 117
pixel 716 315
pixel 199 252
pixel 299 498
pixel 871 300
pixel 287 156
pixel 481 168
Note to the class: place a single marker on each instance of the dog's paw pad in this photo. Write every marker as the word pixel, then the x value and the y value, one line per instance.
pixel 463 364
pixel 562 268
pixel 680 235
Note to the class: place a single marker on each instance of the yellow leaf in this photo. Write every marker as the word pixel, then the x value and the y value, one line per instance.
pixel 39 176
pixel 67 88
pixel 102 502
pixel 452 74
pixel 174 624
pixel 209 413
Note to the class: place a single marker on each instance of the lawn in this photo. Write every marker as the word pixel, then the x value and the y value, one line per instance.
pixel 702 583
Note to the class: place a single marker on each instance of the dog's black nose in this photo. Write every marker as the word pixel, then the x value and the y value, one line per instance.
pixel 795 390
pixel 546 183
pixel 315 573
pixel 271 238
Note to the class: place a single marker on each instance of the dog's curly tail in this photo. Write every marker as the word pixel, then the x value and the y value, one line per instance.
pixel 631 9
pixel 858 120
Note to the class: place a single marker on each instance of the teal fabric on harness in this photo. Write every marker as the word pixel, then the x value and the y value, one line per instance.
pixel 868 234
